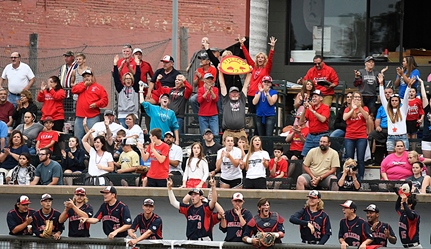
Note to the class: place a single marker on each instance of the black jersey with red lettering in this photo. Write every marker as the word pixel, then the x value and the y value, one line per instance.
pixel 320 221
pixel 408 223
pixel 200 220
pixel 77 228
pixel 355 231
pixel 233 227
pixel 379 236
pixel 273 223
pixel 154 223
pixel 16 218
pixel 114 217
pixel 39 219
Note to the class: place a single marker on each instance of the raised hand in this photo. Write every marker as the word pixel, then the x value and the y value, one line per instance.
pixel 116 59
pixel 272 41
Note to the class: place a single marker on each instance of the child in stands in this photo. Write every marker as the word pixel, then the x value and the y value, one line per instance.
pixel 277 167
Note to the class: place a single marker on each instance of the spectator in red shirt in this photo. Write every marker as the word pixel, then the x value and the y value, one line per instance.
pixel 52 97
pixel 277 167
pixel 415 114
pixel 47 137
pixel 296 137
pixel 158 152
pixel 324 77
pixel 91 97
pixel 127 63
pixel 207 98
pixel 146 69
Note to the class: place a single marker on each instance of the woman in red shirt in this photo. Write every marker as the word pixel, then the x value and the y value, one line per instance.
pixel 51 96
pixel 356 116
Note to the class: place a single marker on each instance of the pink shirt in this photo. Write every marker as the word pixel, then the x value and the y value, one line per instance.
pixel 396 168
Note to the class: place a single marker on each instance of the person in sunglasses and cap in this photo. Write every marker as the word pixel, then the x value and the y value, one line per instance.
pixel 382 232
pixel 314 222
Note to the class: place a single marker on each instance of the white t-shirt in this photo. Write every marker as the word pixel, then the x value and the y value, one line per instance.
pixel 228 171
pixel 194 172
pixel 176 153
pixel 97 160
pixel 136 130
pixel 18 78
pixel 100 127
pixel 255 164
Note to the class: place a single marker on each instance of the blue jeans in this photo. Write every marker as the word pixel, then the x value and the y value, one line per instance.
pixel 360 145
pixel 181 125
pixel 338 133
pixel 391 140
pixel 312 141
pixel 123 122
pixel 13 98
pixel 266 129
pixel 370 102
pixel 209 122
pixel 193 100
pixel 79 128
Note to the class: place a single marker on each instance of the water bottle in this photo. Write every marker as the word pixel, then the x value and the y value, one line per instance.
pixel 1 179
pixel 27 180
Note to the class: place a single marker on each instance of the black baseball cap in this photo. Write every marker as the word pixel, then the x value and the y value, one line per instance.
pixel 109 189
pixel 349 204
pixel 197 191
pixel 372 208
pixel 148 202
pixel 314 194
pixel 369 58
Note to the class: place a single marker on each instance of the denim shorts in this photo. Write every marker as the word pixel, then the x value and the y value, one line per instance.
pixel 390 142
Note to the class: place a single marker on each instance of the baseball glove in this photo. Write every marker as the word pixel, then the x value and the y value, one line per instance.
pixel 49 225
pixel 141 170
pixel 266 239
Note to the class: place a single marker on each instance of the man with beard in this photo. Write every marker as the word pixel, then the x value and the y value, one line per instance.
pixel 317 114
pixel 210 148
pixel 19 219
pixel 148 223
pixel 199 215
pixel 233 222
pixel 74 210
pixel 382 232
pixel 315 226
pixel 167 73
pixel 6 108
pixel 48 172
pixel 47 216
pixel 175 155
pixel 233 108
pixel 264 221
pixel 354 231
pixel 320 166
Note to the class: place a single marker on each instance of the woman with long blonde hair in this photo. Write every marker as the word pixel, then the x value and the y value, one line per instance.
pixel 196 170
pixel 256 162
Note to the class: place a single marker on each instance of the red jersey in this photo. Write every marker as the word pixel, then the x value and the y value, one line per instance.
pixel 257 73
pixel 356 127
pixel 326 73
pixel 52 103
pixel 296 144
pixel 125 69
pixel 146 69
pixel 208 106
pixel 94 93
pixel 159 170
pixel 201 70
pixel 415 110
pixel 314 125
pixel 45 137
pixel 281 166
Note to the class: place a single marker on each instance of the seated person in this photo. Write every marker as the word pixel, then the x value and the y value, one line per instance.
pixel 48 172
pixel 277 167
pixel 118 144
pixel 395 167
pixel 47 137
pixel 72 160
pixel 10 154
pixel 23 171
pixel 128 160
pixel 420 183
pixel 413 157
pixel 296 137
pixel 348 180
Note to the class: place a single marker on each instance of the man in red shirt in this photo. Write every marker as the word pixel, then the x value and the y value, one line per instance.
pixel 324 77
pixel 158 152
pixel 91 97
pixel 207 98
pixel 127 63
pixel 317 114
pixel 146 69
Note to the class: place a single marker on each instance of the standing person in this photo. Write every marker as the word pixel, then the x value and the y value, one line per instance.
pixel 397 112
pixel 348 180
pixel 127 63
pixel 196 169
pixel 324 77
pixel 382 232
pixel 208 96
pixel 47 217
pixel 167 73
pixel 91 97
pixel 25 104
pixel 19 77
pixel 355 139
pixel 114 214
pixel 48 172
pixel 234 220
pixel 145 67
pixel 228 163
pixel 265 100
pixel 175 155
pixel 317 114
pixel 426 131
pixel 409 221
pixel 407 76
pixel 23 171
pixel 148 224
pixel 264 221
pixel 415 114
pixel 340 124
pixel 75 209
pixel 305 94
pixel 6 108
pixel 108 125
pixel 132 129
pixel 314 223
pixel 19 219
pixel 198 214
pixel 354 231
pixel 52 96
pixel 78 72
pixel 194 60
pixel 211 149
pixel 255 164
pixel 66 70
pixel 158 152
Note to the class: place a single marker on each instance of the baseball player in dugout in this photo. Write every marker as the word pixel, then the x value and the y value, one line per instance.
pixel 267 227
pixel 381 231
pixel 74 210
pixel 354 231
pixel 19 219
pixel 313 221
pixel 46 222
pixel 235 219
pixel 409 219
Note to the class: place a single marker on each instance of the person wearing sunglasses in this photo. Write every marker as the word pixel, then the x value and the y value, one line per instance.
pixel 19 77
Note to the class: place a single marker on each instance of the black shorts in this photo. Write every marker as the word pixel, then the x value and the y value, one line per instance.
pixel 296 153
pixel 379 136
pixel 258 183
pixel 412 126
pixel 235 183
pixel 156 182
